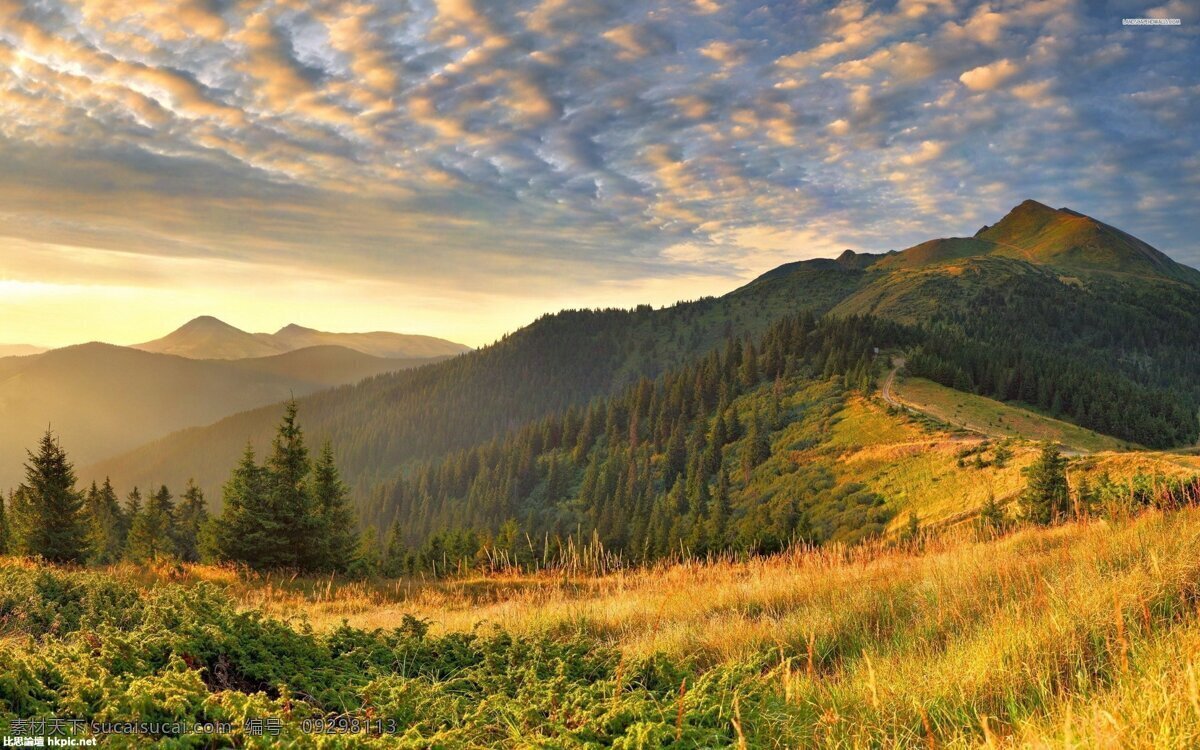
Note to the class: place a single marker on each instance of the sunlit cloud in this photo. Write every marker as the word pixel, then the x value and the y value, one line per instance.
pixel 456 167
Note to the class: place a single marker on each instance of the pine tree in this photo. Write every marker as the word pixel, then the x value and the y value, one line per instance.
pixel 291 502
pixel 367 556
pixel 395 553
pixel 53 523
pixel 719 511
pixel 5 534
pixel 757 446
pixel 133 506
pixel 106 524
pixel 191 520
pixel 335 517
pixel 1046 498
pixel 1085 497
pixel 248 531
pixel 152 532
pixel 992 519
pixel 19 513
pixel 1001 455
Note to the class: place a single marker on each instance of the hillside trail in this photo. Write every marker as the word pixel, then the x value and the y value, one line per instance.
pixel 1026 253
pixel 886 390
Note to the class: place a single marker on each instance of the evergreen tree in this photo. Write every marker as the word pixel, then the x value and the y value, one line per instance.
pixel 1002 455
pixel 248 531
pixel 4 531
pixel 291 502
pixel 395 554
pixel 1046 499
pixel 106 524
pixel 757 447
pixel 19 513
pixel 719 511
pixel 992 519
pixel 191 521
pixel 133 506
pixel 335 517
pixel 1085 497
pixel 367 556
pixel 286 512
pixel 53 523
pixel 152 533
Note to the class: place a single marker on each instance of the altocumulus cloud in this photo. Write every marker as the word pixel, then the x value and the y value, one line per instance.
pixel 522 144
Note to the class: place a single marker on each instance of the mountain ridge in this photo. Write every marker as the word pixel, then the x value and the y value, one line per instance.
pixel 208 337
pixel 104 399
pixel 1115 323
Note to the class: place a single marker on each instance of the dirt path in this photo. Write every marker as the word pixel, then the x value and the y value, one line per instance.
pixel 887 391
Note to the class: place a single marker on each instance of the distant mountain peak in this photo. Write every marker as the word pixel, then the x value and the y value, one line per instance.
pixel 207 337
pixel 294 328
pixel 1029 204
pixel 205 321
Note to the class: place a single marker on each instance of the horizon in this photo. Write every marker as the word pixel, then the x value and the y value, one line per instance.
pixel 276 328
pixel 456 171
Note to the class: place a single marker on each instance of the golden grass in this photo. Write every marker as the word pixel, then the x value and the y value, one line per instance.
pixel 1084 635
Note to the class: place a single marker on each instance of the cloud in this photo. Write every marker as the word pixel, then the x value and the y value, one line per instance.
pixel 990 76
pixel 927 151
pixel 578 147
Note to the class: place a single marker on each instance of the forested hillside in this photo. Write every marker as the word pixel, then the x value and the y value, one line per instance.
pixel 559 360
pixel 667 464
pixel 1106 342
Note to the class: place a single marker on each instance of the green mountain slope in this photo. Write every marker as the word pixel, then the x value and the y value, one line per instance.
pixel 568 358
pixel 1069 240
pixel 1111 350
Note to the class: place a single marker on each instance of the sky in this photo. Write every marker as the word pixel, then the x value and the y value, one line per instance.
pixel 458 167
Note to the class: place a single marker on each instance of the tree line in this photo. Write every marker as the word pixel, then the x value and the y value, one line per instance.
pixel 666 467
pixel 290 511
pixel 1117 357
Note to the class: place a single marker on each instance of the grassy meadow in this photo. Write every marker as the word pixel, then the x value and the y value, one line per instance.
pixel 990 417
pixel 1074 636
pixel 1082 635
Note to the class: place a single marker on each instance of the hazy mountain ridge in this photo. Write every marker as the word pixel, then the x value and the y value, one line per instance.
pixel 104 399
pixel 19 350
pixel 207 337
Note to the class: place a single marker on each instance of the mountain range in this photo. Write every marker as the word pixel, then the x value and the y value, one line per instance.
pixel 1048 307
pixel 19 350
pixel 103 399
pixel 207 337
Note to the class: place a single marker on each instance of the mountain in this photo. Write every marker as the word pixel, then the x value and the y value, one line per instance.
pixel 1109 349
pixel 325 366
pixel 103 399
pixel 1069 240
pixel 19 350
pixel 207 337
pixel 378 343
pixel 1062 240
